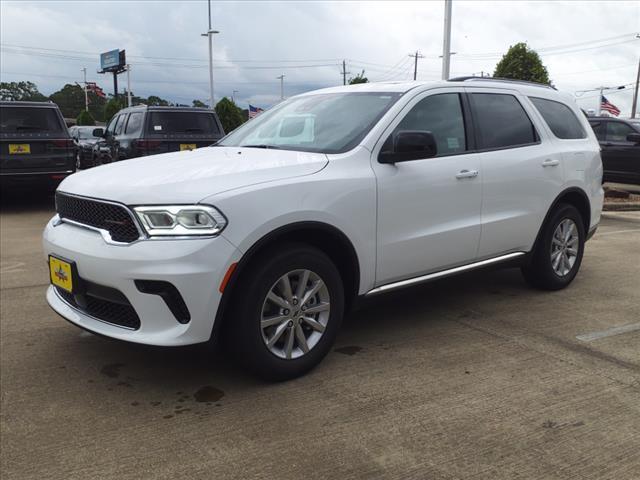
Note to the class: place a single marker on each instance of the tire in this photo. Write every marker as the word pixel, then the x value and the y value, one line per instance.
pixel 555 262
pixel 79 164
pixel 285 358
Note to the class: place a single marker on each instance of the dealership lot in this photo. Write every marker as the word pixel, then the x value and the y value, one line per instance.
pixel 472 377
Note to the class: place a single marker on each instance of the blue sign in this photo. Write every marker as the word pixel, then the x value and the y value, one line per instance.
pixel 110 60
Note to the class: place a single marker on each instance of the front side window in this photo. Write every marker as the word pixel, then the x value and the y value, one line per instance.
pixel 325 123
pixel 120 124
pixel 618 131
pixel 501 121
pixel 441 115
pixel 112 125
pixel 561 120
pixel 600 129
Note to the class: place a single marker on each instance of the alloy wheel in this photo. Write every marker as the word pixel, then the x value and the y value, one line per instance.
pixel 295 314
pixel 564 247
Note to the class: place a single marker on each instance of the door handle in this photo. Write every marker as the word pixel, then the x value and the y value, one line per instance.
pixel 550 163
pixel 467 174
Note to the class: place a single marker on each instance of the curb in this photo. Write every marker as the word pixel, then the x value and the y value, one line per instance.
pixel 621 206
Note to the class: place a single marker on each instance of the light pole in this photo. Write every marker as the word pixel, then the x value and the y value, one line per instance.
pixel 86 96
pixel 281 78
pixel 128 85
pixel 210 33
pixel 233 95
pixel 446 41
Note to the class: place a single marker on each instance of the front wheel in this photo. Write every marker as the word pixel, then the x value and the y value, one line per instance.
pixel 287 310
pixel 558 253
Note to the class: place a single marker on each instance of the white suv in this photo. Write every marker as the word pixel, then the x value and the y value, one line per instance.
pixel 266 242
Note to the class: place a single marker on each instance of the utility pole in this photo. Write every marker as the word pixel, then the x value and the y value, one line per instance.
pixel 86 96
pixel 416 56
pixel 344 72
pixel 281 78
pixel 128 85
pixel 233 95
pixel 446 42
pixel 634 105
pixel 210 33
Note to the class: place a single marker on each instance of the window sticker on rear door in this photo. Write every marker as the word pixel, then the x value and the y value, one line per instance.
pixel 157 127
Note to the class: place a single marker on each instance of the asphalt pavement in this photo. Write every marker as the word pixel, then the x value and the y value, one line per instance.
pixel 474 377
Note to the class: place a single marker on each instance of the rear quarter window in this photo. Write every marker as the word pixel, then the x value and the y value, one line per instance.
pixel 561 120
pixel 25 120
pixel 188 123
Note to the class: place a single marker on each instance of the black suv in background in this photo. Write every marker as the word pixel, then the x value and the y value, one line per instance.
pixel 35 146
pixel 143 130
pixel 620 143
pixel 84 140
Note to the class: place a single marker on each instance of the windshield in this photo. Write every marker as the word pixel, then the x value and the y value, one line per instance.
pixel 29 120
pixel 86 133
pixel 194 123
pixel 325 123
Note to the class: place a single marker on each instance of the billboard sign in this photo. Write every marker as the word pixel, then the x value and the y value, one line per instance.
pixel 111 60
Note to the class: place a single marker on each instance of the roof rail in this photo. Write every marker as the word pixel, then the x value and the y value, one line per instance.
pixel 500 79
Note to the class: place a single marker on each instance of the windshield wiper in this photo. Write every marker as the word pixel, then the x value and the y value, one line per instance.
pixel 260 146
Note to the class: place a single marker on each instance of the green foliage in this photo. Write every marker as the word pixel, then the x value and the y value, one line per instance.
pixel 85 118
pixel 154 101
pixel 70 100
pixel 522 63
pixel 20 91
pixel 230 115
pixel 199 104
pixel 360 78
pixel 113 106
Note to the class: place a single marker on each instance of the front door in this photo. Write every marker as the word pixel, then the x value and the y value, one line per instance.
pixel 428 209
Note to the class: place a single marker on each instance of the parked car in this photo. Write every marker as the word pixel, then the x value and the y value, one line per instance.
pixel 142 130
pixel 266 244
pixel 620 143
pixel 84 140
pixel 35 146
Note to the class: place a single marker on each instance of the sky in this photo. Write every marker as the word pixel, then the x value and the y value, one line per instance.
pixel 584 44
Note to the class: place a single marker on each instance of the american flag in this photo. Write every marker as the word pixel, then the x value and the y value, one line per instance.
pixel 609 107
pixel 254 111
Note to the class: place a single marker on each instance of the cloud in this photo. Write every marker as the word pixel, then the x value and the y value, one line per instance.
pixel 307 42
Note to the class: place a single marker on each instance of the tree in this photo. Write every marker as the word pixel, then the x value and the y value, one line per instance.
pixel 85 118
pixel 522 63
pixel 20 91
pixel 113 106
pixel 360 78
pixel 229 114
pixel 70 100
pixel 154 101
pixel 200 104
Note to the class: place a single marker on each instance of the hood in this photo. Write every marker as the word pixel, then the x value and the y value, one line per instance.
pixel 189 176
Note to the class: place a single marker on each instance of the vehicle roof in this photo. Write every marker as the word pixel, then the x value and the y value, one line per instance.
pixel 526 88
pixel 154 108
pixel 16 103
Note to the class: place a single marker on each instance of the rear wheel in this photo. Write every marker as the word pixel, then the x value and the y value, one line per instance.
pixel 558 252
pixel 286 312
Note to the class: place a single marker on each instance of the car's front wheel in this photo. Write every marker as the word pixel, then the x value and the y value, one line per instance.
pixel 558 253
pixel 287 310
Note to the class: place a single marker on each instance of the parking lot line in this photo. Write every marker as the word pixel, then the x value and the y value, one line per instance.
pixel 609 332
pixel 618 231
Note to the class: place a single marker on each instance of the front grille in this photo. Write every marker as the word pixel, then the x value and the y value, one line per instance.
pixel 115 313
pixel 116 219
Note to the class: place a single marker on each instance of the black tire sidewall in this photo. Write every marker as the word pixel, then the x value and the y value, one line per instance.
pixel 246 335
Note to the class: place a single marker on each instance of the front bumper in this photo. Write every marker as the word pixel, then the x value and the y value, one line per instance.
pixel 195 267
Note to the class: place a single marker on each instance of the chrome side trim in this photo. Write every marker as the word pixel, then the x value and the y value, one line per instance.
pixel 443 273
pixel 74 308
pixel 17 174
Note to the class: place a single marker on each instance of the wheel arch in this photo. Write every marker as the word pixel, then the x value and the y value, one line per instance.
pixel 573 196
pixel 327 238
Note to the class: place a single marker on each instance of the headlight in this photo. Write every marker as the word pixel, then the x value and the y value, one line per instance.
pixel 181 220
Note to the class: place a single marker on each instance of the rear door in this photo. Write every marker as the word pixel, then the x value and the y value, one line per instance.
pixel 34 140
pixel 622 157
pixel 521 174
pixel 172 131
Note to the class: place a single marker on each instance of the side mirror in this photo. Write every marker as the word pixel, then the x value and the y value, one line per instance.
pixel 633 137
pixel 409 145
pixel 98 132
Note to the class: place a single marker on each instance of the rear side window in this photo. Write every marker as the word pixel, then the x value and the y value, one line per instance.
pixel 191 123
pixel 561 120
pixel 501 121
pixel 442 116
pixel 29 120
pixel 618 131
pixel 135 122
pixel 599 128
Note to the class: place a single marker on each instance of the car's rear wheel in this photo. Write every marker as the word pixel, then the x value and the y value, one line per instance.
pixel 79 163
pixel 558 253
pixel 286 313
